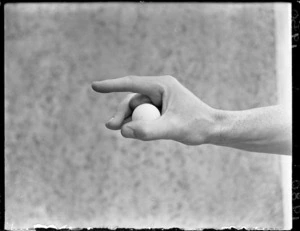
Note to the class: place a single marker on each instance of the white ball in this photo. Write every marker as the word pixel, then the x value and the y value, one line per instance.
pixel 145 111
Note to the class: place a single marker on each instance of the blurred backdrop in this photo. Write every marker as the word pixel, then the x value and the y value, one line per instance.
pixel 63 167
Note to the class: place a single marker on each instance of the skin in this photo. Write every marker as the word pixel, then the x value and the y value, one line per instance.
pixel 266 129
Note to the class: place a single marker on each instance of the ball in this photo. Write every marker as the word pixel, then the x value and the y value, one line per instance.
pixel 145 111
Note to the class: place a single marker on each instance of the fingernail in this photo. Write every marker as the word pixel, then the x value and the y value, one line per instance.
pixel 111 119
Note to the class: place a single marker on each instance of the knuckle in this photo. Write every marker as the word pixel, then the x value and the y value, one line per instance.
pixel 130 78
pixel 167 83
pixel 169 78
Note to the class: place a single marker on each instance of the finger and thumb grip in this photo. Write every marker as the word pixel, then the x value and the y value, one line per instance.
pixel 146 124
pixel 124 111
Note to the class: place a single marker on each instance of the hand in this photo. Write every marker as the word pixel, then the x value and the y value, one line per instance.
pixel 184 117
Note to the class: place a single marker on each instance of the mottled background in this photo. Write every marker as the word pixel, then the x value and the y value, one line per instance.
pixel 63 167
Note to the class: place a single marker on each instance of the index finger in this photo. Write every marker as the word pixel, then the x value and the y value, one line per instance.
pixel 146 85
pixel 135 84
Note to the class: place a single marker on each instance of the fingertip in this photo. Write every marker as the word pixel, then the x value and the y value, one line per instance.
pixel 100 86
pixel 108 125
pixel 94 85
pixel 112 125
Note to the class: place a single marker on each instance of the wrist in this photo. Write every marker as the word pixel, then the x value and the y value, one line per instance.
pixel 220 127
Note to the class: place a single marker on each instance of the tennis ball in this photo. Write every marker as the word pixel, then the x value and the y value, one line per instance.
pixel 145 111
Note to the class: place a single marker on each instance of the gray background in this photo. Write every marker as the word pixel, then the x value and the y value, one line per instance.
pixel 63 167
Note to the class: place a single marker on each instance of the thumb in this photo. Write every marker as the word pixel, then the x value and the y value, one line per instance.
pixel 146 129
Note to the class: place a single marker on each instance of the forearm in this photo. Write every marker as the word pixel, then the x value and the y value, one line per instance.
pixel 266 129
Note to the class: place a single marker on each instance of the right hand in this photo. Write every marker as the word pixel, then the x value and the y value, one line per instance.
pixel 184 117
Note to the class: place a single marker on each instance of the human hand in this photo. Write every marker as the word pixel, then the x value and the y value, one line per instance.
pixel 184 117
